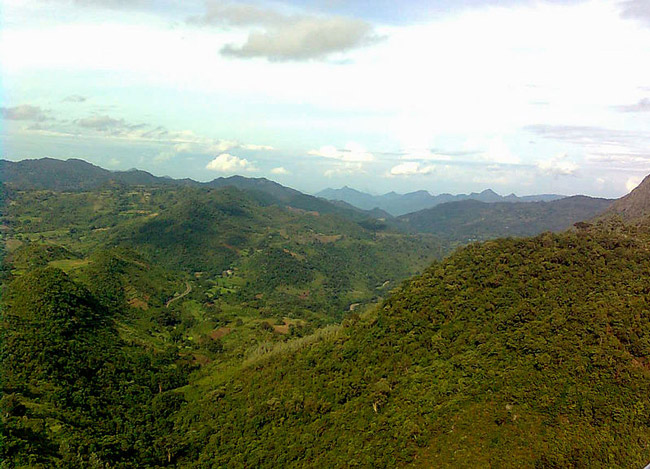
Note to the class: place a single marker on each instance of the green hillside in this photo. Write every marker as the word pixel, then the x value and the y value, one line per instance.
pixel 173 326
pixel 472 220
pixel 240 250
pixel 512 353
pixel 74 393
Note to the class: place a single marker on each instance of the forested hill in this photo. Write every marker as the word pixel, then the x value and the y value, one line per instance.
pixel 70 175
pixel 471 220
pixel 79 175
pixel 114 300
pixel 510 353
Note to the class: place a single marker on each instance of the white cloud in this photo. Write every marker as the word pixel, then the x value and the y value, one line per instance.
pixel 165 155
pixel 559 165
pixel 304 39
pixel 410 168
pixel 253 147
pixel 24 112
pixel 75 98
pixel 280 37
pixel 482 94
pixel 351 153
pixel 174 142
pixel 636 9
pixel 643 105
pixel 345 169
pixel 220 146
pixel 424 155
pixel 499 152
pixel 280 170
pixel 227 163
pixel 632 183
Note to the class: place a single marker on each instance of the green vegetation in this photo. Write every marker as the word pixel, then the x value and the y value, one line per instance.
pixel 304 264
pixel 177 326
pixel 471 220
pixel 157 287
pixel 512 353
pixel 73 393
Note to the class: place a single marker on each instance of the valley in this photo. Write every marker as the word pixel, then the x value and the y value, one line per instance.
pixel 251 325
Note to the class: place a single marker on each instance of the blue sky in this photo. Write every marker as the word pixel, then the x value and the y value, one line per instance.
pixel 449 96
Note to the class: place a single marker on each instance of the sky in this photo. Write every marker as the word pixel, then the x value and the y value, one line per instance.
pixel 452 96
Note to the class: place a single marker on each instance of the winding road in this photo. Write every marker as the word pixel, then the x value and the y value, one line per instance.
pixel 187 290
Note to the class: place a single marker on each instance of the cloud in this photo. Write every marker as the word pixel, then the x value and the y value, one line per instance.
pixel 75 98
pixel 579 134
pixel 499 152
pixel 558 166
pixel 642 106
pixel 345 169
pixel 167 143
pixel 177 141
pixel 632 183
pixel 636 10
pixel 426 155
pixel 351 153
pixel 113 4
pixel 24 112
pixel 170 152
pixel 306 39
pixel 280 37
pixel 410 168
pixel 227 163
pixel 253 147
pixel 237 14
pixel 279 170
pixel 602 145
pixel 107 124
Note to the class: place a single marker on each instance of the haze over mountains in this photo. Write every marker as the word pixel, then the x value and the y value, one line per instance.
pixel 400 204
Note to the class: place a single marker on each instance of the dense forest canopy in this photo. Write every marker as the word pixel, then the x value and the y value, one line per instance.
pixel 182 326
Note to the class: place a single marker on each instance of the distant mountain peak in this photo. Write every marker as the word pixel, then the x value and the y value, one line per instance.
pixel 489 192
pixel 399 204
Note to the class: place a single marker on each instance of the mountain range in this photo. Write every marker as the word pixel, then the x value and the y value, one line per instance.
pixel 458 219
pixel 400 204
pixel 79 175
